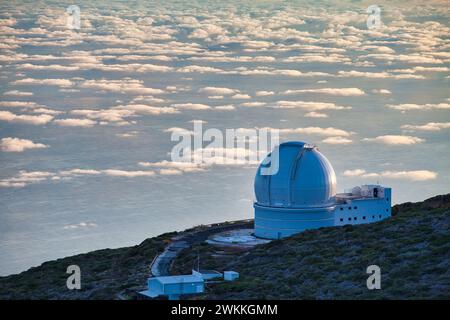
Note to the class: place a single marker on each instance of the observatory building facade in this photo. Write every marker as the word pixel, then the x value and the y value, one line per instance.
pixel 301 195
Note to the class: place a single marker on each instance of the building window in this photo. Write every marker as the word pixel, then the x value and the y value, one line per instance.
pixel 380 216
pixel 387 199
pixel 387 210
pixel 342 208
pixel 373 217
pixel 364 217
pixel 355 218
pixel 355 208
pixel 342 219
pixel 349 208
pixel 349 219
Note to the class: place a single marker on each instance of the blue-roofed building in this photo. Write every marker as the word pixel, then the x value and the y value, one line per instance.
pixel 174 286
pixel 301 194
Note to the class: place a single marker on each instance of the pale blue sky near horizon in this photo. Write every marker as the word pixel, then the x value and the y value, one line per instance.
pixel 81 110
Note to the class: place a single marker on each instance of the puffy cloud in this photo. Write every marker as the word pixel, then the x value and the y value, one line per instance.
pixel 381 91
pixel 8 22
pixel 82 225
pixel 210 156
pixel 345 92
pixel 309 105
pixel 266 36
pixel 199 69
pixel 108 115
pixel 218 91
pixel 310 58
pixel 265 71
pixel 430 69
pixel 46 111
pixel 354 173
pixel 48 82
pixel 412 58
pixel 234 59
pixel 207 31
pixel 264 93
pixel 259 71
pixel 253 104
pixel 395 140
pixel 170 164
pixel 26 177
pixel 18 104
pixel 130 57
pixel 125 85
pixel 174 167
pixel 227 107
pixel 256 44
pixel 128 174
pixel 165 172
pixel 24 118
pixel 379 49
pixel 337 140
pixel 79 172
pixel 147 99
pixel 108 172
pixel 377 75
pixel 179 131
pixel 51 67
pixel 191 106
pixel 19 145
pixel 117 115
pixel 430 126
pixel 145 109
pixel 95 65
pixel 72 122
pixel 412 106
pixel 414 175
pixel 241 96
pixel 18 93
pixel 314 114
pixel 129 134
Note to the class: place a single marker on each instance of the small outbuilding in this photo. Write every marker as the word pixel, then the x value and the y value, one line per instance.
pixel 174 286
pixel 230 275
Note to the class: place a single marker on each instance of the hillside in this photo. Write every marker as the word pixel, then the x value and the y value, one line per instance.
pixel 104 274
pixel 412 249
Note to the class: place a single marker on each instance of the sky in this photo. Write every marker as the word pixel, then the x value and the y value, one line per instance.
pixel 86 115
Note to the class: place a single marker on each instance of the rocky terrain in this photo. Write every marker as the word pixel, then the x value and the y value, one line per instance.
pixel 412 249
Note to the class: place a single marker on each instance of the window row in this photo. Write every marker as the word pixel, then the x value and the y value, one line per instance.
pixel 363 218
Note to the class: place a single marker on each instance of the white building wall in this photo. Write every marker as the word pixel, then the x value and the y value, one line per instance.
pixel 363 210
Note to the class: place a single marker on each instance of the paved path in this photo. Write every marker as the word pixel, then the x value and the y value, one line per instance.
pixel 162 263
pixel 161 266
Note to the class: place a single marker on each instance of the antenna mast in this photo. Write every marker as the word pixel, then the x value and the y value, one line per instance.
pixel 198 260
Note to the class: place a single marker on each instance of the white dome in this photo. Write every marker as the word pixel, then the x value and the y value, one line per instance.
pixel 305 179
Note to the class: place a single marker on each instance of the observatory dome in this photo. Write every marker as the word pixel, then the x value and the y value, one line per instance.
pixel 297 196
pixel 305 178
pixel 295 188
